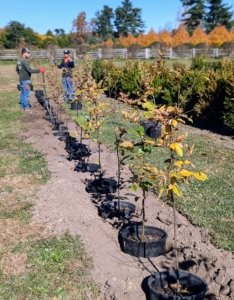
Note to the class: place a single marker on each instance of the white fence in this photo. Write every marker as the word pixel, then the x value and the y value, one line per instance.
pixel 121 53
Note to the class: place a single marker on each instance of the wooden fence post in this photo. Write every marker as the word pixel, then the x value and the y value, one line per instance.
pixel 100 53
pixel 170 53
pixel 147 53
pixel 193 52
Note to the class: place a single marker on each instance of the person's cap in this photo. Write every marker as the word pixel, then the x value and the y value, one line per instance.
pixel 25 50
pixel 66 52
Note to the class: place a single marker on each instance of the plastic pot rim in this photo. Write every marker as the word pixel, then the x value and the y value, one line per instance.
pixel 145 242
pixel 173 272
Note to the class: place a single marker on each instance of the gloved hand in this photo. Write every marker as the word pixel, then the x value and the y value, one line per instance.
pixel 42 70
pixel 70 59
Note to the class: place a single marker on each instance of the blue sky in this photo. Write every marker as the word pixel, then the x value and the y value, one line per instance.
pixel 42 15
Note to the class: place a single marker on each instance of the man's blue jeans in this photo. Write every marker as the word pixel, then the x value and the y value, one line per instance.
pixel 24 95
pixel 68 86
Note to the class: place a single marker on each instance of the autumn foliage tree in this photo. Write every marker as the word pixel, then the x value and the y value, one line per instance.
pixel 199 36
pixel 127 41
pixel 79 28
pixel 181 36
pixel 218 36
pixel 145 40
pixel 108 43
pixel 165 38
pixel 232 35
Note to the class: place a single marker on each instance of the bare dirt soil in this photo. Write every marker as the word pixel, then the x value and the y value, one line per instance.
pixel 63 204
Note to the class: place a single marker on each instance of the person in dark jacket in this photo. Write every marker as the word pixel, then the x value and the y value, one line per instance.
pixel 67 65
pixel 24 71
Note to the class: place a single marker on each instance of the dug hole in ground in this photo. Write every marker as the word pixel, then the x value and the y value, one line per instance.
pixel 63 204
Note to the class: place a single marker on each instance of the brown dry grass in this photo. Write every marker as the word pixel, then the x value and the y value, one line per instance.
pixel 13 263
pixel 9 79
pixel 13 231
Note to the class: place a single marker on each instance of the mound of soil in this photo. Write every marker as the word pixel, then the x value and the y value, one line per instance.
pixel 63 204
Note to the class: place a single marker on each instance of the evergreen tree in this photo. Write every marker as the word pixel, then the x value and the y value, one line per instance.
pixel 103 22
pixel 128 19
pixel 49 33
pixel 14 31
pixel 31 37
pixel 194 14
pixel 218 14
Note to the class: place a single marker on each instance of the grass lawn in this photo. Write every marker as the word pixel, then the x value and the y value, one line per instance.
pixel 32 266
pixel 207 204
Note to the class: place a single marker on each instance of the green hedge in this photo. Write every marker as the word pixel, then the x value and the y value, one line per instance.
pixel 206 90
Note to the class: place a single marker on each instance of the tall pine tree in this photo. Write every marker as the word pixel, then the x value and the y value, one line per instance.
pixel 103 22
pixel 194 14
pixel 218 14
pixel 128 19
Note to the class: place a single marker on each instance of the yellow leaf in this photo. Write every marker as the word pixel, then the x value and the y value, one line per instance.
pixel 180 120
pixel 162 108
pixel 74 134
pixel 173 146
pixel 179 151
pixel 149 142
pixel 181 138
pixel 127 144
pixel 153 177
pixel 179 163
pixel 186 173
pixel 161 192
pixel 154 170
pixel 187 162
pixel 200 176
pixel 170 109
pixel 160 141
pixel 170 187
pixel 174 123
pixel 176 190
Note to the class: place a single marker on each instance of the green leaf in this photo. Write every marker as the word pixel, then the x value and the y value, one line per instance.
pixel 148 105
pixel 125 157
pixel 135 132
pixel 134 187
pixel 142 130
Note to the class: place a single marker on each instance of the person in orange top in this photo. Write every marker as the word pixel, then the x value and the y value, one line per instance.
pixel 67 65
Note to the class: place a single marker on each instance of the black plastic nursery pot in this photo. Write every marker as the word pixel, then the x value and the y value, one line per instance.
pixel 76 106
pixel 151 129
pixel 153 246
pixel 102 186
pixel 39 93
pixel 87 167
pixel 41 101
pixel 77 151
pixel 160 282
pixel 111 209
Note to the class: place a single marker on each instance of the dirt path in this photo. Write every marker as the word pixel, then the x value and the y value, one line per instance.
pixel 63 204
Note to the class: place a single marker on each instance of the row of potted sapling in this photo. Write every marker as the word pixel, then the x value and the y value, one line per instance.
pixel 139 240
